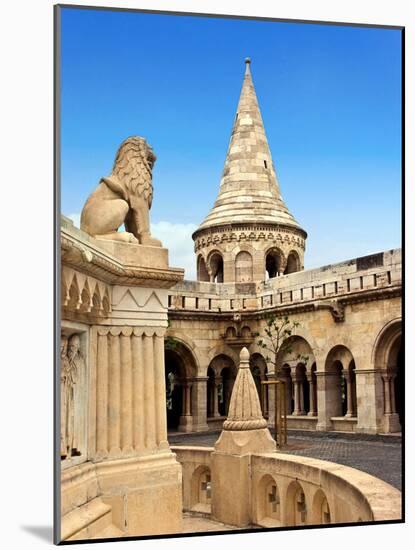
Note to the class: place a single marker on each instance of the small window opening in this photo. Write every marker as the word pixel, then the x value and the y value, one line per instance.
pixel 265 164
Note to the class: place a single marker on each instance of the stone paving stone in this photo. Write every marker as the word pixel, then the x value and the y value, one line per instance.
pixel 380 456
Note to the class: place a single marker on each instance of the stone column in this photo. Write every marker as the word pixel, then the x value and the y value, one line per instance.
pixel 263 397
pixel 301 395
pixel 102 394
pixel 186 419
pixel 327 399
pixel 348 380
pixel 387 393
pixel 271 399
pixel 282 266
pixel 297 397
pixel 392 391
pixel 187 392
pixel 218 380
pixel 369 390
pixel 312 390
pixel 199 404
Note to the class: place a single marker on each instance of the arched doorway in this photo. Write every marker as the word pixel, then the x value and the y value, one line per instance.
pixel 399 386
pixel 274 262
pixel 221 378
pixel 340 383
pixel 297 366
pixel 216 267
pixel 389 362
pixel 180 369
pixel 293 263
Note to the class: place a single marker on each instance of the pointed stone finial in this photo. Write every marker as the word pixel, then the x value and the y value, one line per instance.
pixel 244 409
pixel 247 63
pixel 244 359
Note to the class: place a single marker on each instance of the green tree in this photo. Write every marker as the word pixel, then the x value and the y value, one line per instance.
pixel 276 340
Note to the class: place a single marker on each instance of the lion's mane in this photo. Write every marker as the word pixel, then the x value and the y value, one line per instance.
pixel 133 167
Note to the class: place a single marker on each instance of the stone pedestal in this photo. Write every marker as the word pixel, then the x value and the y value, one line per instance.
pixel 244 433
pixel 118 293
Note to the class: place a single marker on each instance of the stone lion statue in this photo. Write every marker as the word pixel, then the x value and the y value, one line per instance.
pixel 124 197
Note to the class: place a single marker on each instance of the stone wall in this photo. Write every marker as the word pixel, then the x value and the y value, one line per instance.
pixel 120 478
pixel 288 490
pixel 347 314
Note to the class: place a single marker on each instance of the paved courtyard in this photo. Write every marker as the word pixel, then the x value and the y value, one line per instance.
pixel 377 455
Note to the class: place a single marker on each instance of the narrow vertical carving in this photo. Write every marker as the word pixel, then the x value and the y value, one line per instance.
pixel 126 391
pixel 114 393
pixel 138 390
pixel 102 393
pixel 160 390
pixel 150 429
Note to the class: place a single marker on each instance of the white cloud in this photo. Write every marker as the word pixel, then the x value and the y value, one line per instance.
pixel 177 237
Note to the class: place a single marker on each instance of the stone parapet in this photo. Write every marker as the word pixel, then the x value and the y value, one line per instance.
pixel 330 287
pixel 332 493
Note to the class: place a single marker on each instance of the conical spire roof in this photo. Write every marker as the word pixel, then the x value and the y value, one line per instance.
pixel 249 190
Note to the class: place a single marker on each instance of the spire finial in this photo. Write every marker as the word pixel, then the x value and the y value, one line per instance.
pixel 247 63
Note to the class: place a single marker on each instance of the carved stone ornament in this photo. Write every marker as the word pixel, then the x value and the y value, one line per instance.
pixel 124 197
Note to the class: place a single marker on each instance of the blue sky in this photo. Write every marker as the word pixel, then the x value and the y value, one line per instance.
pixel 330 97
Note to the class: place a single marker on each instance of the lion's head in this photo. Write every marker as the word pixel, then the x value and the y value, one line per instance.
pixel 133 167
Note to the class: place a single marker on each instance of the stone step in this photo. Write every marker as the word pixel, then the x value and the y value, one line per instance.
pixel 92 520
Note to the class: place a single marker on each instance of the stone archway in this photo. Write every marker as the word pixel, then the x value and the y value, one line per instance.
pixel 215 267
pixel 221 377
pixel 389 361
pixel 274 263
pixel 180 371
pixel 297 366
pixel 201 490
pixel 295 505
pixel 268 502
pixel 320 509
pixel 258 368
pixel 340 384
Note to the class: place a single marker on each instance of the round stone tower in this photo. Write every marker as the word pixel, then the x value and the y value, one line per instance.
pixel 249 235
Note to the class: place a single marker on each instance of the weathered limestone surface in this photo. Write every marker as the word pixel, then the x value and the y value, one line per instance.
pixel 249 483
pixel 333 493
pixel 119 476
pixel 249 219
pixel 244 432
pixel 124 197
pixel 353 307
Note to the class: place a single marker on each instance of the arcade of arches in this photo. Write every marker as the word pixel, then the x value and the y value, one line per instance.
pixel 322 389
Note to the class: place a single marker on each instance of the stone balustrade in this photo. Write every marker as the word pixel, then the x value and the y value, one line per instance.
pixel 367 276
pixel 289 490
